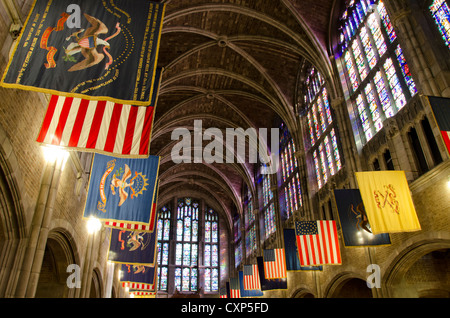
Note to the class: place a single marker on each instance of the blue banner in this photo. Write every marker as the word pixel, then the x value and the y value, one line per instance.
pixel 122 189
pixel 354 222
pixel 133 247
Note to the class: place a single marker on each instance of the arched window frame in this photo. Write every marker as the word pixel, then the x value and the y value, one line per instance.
pixel 211 251
pixel 163 235
pixel 290 176
pixel 321 142
pixel 376 77
pixel 250 224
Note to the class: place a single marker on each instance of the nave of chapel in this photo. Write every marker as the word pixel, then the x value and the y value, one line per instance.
pixel 348 84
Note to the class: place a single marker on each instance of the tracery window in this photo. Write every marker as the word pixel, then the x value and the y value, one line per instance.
pixel 268 205
pixel 377 78
pixel 164 216
pixel 211 251
pixel 441 13
pixel 289 170
pixel 186 248
pixel 237 241
pixel 250 226
pixel 322 142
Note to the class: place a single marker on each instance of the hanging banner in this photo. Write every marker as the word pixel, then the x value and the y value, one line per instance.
pixel 122 190
pixel 97 50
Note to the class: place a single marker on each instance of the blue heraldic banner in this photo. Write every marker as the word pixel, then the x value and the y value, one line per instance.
pixel 96 50
pixel 354 222
pixel 122 190
pixel 132 247
pixel 139 274
pixel 269 284
pixel 290 248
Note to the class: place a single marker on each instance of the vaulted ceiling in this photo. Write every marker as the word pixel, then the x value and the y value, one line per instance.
pixel 231 64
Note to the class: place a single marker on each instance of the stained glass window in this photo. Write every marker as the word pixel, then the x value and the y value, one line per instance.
pixel 163 247
pixel 441 14
pixel 269 212
pixel 373 45
pixel 211 250
pixel 186 248
pixel 250 227
pixel 319 120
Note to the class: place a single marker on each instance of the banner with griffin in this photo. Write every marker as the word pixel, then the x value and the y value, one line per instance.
pixel 132 247
pixel 122 190
pixel 111 56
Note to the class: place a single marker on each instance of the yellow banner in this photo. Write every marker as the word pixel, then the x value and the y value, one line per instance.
pixel 388 201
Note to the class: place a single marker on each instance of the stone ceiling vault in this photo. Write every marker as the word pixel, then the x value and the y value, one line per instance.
pixel 231 64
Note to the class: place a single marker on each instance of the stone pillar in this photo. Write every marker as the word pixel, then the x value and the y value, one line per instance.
pixel 34 253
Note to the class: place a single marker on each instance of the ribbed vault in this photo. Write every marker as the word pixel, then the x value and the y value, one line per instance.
pixel 231 64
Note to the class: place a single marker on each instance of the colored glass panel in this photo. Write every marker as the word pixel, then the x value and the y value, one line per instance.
pixel 368 49
pixel 405 71
pixel 394 84
pixel 386 21
pixel 359 59
pixel 351 71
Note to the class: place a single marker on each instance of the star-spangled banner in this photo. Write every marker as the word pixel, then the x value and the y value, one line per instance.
pixel 111 55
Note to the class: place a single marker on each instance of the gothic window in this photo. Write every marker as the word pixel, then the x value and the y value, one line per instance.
pixel 377 78
pixel 163 247
pixel 186 247
pixel 268 205
pixel 441 13
pixel 290 183
pixel 250 226
pixel 211 251
pixel 237 241
pixel 321 142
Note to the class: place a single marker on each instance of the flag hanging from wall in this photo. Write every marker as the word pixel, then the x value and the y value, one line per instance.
pixel 100 50
pixel 138 277
pixel 291 252
pixel 99 126
pixel 274 263
pixel 255 292
pixel 387 201
pixel 441 110
pixel 223 292
pixel 235 287
pixel 250 279
pixel 317 243
pixel 269 284
pixel 132 247
pixel 354 222
pixel 122 190
pixel 150 227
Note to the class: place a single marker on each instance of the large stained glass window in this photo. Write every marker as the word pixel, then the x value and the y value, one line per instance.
pixel 322 142
pixel 376 73
pixel 186 248
pixel 441 14
pixel 237 240
pixel 290 184
pixel 211 251
pixel 164 216
pixel 250 226
pixel 268 204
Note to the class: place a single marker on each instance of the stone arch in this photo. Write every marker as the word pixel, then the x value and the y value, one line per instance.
pixel 302 293
pixel 348 285
pixel 399 279
pixel 60 252
pixel 12 215
pixel 96 290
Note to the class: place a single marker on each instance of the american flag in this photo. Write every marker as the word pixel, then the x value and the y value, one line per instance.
pixel 275 263
pixel 223 292
pixel 317 243
pixel 99 126
pixel 235 288
pixel 251 277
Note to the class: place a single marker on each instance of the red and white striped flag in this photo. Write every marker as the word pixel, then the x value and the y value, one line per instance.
pixel 235 288
pixel 317 243
pixel 251 277
pixel 275 263
pixel 98 126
